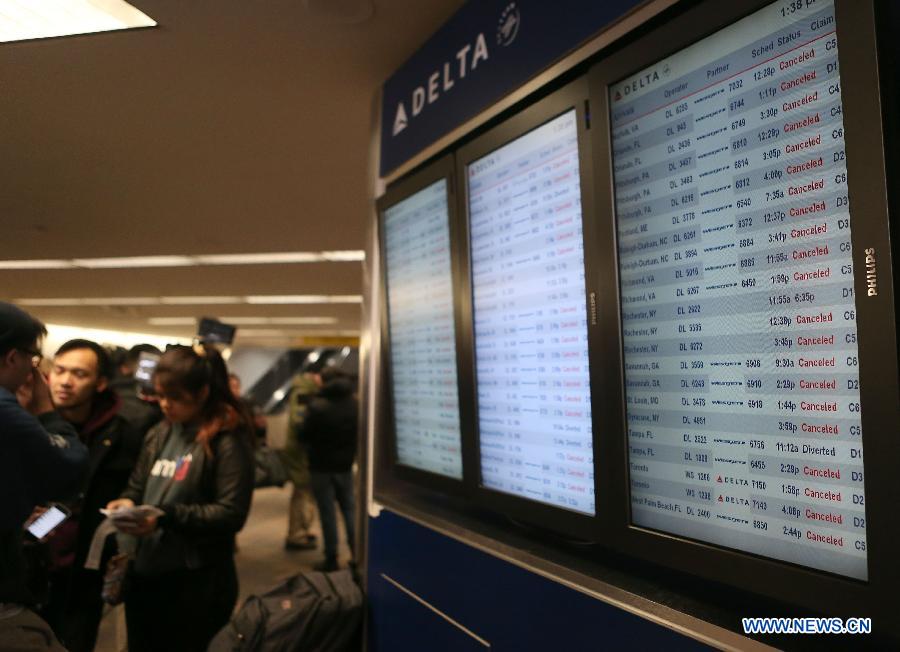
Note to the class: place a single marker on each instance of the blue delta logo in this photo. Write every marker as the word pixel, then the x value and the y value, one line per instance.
pixel 442 80
pixel 466 61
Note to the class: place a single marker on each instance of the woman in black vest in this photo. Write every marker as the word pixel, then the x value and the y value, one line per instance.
pixel 196 467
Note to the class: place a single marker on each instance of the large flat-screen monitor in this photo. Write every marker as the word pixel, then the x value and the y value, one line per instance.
pixel 525 203
pixel 758 401
pixel 418 262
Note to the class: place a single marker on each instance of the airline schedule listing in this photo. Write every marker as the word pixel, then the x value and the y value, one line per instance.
pixel 423 342
pixel 531 350
pixel 737 293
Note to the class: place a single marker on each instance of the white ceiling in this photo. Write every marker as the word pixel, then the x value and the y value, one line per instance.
pixel 233 127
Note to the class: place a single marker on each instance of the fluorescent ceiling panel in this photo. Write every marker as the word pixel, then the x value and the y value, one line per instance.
pixel 286 321
pixel 303 299
pixel 22 20
pixel 120 301
pixel 122 262
pixel 261 259
pixel 133 261
pixel 172 321
pixel 200 301
pixel 196 301
pixel 247 321
pixel 276 332
pixel 50 302
pixel 344 256
pixel 35 264
pixel 288 299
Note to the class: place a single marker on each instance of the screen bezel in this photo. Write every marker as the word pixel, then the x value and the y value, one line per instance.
pixel 580 526
pixel 810 588
pixel 443 168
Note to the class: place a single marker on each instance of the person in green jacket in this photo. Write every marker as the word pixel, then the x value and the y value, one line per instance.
pixel 302 513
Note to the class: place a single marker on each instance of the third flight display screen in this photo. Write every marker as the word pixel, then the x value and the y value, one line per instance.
pixel 531 349
pixel 737 293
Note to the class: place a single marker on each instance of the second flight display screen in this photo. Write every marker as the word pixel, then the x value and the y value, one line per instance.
pixel 737 293
pixel 531 350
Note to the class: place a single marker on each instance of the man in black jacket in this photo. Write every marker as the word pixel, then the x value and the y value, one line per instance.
pixel 330 432
pixel 41 459
pixel 79 382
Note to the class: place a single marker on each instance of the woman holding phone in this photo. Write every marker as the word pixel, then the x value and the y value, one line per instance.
pixel 196 468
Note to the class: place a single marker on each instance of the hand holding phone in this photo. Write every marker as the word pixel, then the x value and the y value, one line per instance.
pixel 48 520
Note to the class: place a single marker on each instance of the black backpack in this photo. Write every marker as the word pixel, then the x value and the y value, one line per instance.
pixel 315 612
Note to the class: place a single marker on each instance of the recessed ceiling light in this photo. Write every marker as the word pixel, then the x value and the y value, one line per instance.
pixel 279 332
pixel 133 261
pixel 262 259
pixel 172 321
pixel 49 302
pixel 344 256
pixel 90 301
pixel 245 321
pixel 195 301
pixel 21 20
pixel 284 321
pixel 120 301
pixel 288 299
pixel 200 301
pixel 280 321
pixel 123 262
pixel 304 298
pixel 35 264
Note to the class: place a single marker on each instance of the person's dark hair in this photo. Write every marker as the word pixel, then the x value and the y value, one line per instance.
pixel 18 329
pixel 117 356
pixel 104 362
pixel 190 369
pixel 134 353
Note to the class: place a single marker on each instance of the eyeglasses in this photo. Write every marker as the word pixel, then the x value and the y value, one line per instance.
pixel 36 356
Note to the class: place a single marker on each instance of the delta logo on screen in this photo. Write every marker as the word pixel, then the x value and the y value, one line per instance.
pixel 641 82
pixel 455 70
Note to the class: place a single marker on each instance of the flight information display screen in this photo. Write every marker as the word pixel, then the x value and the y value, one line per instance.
pixel 737 293
pixel 531 350
pixel 422 333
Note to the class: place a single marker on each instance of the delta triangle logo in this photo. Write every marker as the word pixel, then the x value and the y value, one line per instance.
pixel 618 95
pixel 400 120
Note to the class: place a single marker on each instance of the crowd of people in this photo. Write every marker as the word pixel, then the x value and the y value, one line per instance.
pixel 156 484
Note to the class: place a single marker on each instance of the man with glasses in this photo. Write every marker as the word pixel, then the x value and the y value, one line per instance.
pixel 41 459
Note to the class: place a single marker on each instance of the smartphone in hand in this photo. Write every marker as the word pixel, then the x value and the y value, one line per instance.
pixel 48 521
